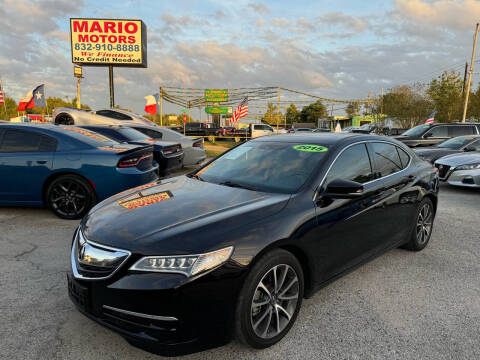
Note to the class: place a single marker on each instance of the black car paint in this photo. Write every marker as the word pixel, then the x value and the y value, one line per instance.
pixel 421 140
pixel 167 163
pixel 330 238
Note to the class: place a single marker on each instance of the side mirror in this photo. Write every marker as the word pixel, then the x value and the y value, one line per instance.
pixel 343 189
pixel 469 148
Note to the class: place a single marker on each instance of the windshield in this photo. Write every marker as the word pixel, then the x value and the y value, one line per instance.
pixel 265 166
pixel 455 143
pixel 417 130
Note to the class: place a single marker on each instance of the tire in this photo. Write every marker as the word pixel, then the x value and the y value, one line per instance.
pixel 423 226
pixel 70 197
pixel 64 119
pixel 257 326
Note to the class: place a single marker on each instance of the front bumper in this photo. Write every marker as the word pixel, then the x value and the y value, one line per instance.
pixel 466 178
pixel 163 313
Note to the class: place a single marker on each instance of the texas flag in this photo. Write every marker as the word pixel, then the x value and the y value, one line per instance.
pixel 152 104
pixel 34 98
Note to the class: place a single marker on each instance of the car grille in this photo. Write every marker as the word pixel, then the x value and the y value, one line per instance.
pixel 94 261
pixel 442 170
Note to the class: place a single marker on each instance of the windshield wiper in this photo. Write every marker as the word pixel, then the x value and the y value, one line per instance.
pixel 237 185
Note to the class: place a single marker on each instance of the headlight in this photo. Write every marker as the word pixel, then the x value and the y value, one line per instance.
pixel 187 265
pixel 468 167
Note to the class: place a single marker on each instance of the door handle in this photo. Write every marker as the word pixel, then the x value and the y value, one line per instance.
pixel 41 162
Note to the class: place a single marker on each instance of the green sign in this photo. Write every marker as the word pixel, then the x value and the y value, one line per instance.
pixel 310 148
pixel 216 110
pixel 216 95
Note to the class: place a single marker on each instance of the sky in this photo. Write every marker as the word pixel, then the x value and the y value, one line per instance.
pixel 336 49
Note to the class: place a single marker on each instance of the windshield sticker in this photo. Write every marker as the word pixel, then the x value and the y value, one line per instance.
pixel 310 148
pixel 145 200
pixel 236 153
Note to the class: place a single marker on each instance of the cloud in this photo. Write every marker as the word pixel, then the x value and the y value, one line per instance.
pixel 456 15
pixel 345 21
pixel 280 22
pixel 259 8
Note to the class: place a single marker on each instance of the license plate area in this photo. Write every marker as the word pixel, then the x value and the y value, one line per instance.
pixel 78 293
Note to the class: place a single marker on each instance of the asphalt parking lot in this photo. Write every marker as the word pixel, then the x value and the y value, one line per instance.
pixel 401 306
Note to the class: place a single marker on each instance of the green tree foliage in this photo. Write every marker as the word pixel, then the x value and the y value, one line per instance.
pixel 292 114
pixel 11 107
pixel 408 104
pixel 353 109
pixel 272 116
pixel 446 94
pixel 313 112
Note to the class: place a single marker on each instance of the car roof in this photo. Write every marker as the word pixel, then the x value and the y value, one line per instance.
pixel 322 138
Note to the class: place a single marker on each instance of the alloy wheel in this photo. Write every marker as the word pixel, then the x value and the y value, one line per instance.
pixel 274 301
pixel 424 223
pixel 68 198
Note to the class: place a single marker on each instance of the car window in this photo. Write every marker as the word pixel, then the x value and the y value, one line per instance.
pixel 255 164
pixel 455 143
pixel 404 157
pixel 416 131
pixel 353 164
pixel 114 115
pixel 258 127
pixel 475 145
pixel 438 131
pixel 26 141
pixel 385 159
pixel 461 130
pixel 150 133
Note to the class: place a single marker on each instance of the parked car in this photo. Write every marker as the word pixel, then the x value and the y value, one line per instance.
pixel 255 130
pixel 197 129
pixel 225 131
pixel 233 248
pixel 427 135
pixel 321 130
pixel 456 145
pixel 169 155
pixel 299 130
pixel 460 169
pixel 73 116
pixel 193 149
pixel 66 168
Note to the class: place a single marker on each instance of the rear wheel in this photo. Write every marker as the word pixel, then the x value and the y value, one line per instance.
pixel 270 299
pixel 423 226
pixel 64 119
pixel 70 197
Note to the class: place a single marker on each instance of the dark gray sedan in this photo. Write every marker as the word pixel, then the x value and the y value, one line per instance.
pixel 456 145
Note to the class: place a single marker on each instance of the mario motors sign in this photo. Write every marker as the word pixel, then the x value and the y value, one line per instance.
pixel 109 42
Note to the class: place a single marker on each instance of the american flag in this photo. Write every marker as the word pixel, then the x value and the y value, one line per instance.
pixel 431 118
pixel 241 111
pixel 2 101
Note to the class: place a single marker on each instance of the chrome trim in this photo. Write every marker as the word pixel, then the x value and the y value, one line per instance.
pixel 368 182
pixel 145 316
pixel 76 274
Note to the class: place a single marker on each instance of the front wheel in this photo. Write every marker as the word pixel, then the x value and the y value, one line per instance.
pixel 423 226
pixel 270 299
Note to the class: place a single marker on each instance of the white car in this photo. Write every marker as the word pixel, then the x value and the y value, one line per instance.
pixel 193 148
pixel 72 116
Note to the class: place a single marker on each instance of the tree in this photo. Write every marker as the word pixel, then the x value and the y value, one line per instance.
pixel 272 116
pixel 409 105
pixel 56 102
pixel 11 107
pixel 313 112
pixel 292 114
pixel 446 94
pixel 353 109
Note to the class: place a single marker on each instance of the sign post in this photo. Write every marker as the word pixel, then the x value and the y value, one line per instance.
pixel 109 42
pixel 77 72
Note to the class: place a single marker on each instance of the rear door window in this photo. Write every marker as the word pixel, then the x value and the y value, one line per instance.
pixel 26 141
pixel 438 131
pixel 353 164
pixel 404 157
pixel 386 159
pixel 460 130
pixel 151 133
pixel 475 145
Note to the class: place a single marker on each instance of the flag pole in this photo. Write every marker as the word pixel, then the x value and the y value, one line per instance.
pixel 4 99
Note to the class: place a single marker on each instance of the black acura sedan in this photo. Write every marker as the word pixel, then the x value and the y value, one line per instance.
pixel 456 145
pixel 231 249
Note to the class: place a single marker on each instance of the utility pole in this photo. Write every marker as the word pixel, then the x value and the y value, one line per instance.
pixel 161 106
pixel 111 86
pixel 78 73
pixel 469 83
pixel 464 79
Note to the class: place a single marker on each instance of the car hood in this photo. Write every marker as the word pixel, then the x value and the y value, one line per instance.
pixel 459 159
pixel 178 215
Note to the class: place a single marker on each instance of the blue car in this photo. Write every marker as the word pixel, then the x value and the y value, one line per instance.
pixel 67 168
